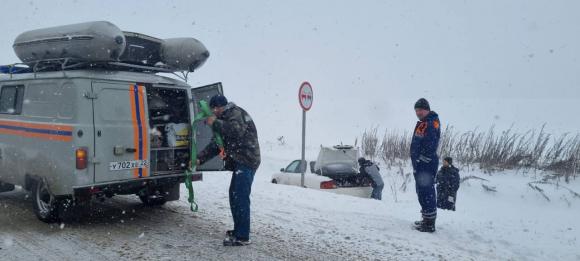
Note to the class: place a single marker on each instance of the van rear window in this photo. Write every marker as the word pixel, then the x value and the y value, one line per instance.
pixel 11 99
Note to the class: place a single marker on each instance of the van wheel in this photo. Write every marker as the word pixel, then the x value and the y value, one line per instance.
pixel 152 200
pixel 44 203
pixel 6 187
pixel 274 181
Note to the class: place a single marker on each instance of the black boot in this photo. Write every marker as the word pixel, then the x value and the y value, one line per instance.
pixel 236 242
pixel 427 225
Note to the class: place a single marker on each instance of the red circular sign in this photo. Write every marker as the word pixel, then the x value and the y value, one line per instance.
pixel 305 96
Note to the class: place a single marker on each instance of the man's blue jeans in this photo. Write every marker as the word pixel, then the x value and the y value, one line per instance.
pixel 240 189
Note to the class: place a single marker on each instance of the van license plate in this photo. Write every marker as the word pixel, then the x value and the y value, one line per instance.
pixel 131 164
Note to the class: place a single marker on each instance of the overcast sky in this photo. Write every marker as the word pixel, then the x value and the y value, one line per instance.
pixel 478 62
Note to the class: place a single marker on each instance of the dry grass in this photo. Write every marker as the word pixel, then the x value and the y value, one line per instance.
pixel 490 150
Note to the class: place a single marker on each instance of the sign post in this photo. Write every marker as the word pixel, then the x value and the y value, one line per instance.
pixel 305 97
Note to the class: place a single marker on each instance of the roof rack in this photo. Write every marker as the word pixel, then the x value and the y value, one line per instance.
pixel 53 65
pixel 68 64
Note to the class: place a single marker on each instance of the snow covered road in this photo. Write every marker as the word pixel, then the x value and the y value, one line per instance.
pixel 123 229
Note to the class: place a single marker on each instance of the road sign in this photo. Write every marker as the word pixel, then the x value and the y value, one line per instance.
pixel 305 96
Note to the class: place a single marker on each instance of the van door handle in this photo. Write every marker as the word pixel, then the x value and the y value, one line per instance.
pixel 120 150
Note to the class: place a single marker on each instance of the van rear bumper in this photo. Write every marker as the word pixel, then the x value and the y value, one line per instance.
pixel 125 187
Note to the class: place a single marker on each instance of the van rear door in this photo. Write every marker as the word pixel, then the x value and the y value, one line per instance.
pixel 121 131
pixel 204 133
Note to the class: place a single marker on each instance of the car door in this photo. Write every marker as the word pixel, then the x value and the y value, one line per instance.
pixel 203 133
pixel 291 175
pixel 121 131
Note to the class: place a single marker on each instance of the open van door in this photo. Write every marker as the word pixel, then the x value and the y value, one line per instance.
pixel 204 133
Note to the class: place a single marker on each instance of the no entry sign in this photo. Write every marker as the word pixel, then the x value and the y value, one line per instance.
pixel 305 96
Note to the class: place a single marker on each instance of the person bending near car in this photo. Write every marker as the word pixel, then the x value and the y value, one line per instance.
pixel 370 169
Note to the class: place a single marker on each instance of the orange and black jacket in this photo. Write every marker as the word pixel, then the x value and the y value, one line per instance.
pixel 426 140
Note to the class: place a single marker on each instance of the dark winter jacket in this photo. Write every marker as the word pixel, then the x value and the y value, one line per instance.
pixel 447 186
pixel 372 171
pixel 240 139
pixel 425 141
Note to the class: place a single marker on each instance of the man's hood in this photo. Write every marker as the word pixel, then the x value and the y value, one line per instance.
pixel 431 116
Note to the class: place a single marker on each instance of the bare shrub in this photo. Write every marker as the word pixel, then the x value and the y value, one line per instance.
pixel 490 150
pixel 370 143
pixel 395 147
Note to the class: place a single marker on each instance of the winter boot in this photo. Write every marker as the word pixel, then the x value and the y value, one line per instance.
pixel 231 241
pixel 427 225
pixel 418 223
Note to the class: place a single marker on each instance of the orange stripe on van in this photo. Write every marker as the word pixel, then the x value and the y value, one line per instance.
pixel 37 135
pixel 51 132
pixel 135 127
pixel 144 127
pixel 54 127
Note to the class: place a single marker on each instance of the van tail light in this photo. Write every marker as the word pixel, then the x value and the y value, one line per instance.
pixel 81 155
pixel 94 190
pixel 328 184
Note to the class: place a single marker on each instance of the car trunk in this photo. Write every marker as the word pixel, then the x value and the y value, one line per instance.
pixel 340 164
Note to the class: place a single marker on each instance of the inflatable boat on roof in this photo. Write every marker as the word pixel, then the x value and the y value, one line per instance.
pixel 102 44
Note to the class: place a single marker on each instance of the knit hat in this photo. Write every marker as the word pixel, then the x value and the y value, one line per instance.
pixel 361 160
pixel 422 104
pixel 449 160
pixel 218 101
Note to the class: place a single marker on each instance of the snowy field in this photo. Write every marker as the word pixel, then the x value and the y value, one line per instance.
pixel 292 223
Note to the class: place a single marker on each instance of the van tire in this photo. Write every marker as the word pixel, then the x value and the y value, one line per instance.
pixel 274 181
pixel 45 205
pixel 152 201
pixel 6 187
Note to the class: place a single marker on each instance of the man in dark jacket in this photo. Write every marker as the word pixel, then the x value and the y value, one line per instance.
pixel 368 168
pixel 447 185
pixel 241 153
pixel 425 163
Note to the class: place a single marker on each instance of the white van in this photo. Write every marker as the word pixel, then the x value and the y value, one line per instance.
pixel 72 130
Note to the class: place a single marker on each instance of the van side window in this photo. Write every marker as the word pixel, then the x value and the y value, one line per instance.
pixel 49 101
pixel 11 99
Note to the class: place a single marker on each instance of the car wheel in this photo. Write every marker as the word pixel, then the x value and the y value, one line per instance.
pixel 45 205
pixel 274 181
